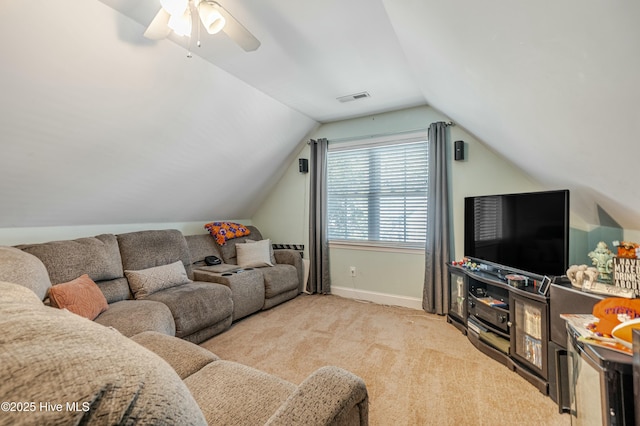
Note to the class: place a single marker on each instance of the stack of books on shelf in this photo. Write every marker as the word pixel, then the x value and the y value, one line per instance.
pixel 493 302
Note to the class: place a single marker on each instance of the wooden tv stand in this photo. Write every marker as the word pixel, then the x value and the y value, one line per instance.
pixel 509 324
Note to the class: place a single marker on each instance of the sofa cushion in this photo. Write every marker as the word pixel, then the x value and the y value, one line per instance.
pixel 230 393
pixel 148 281
pixel 80 296
pixel 131 317
pixel 254 254
pixel 196 305
pixel 279 279
pixel 115 290
pixel 51 355
pixel 25 269
pixel 201 246
pixel 146 249
pixel 185 357
pixel 98 257
pixel 292 257
pixel 280 298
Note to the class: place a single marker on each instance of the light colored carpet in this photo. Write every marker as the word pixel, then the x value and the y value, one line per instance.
pixel 419 369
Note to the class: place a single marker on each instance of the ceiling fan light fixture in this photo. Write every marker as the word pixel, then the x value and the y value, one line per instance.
pixel 211 17
pixel 181 24
pixel 175 7
pixel 214 18
pixel 159 27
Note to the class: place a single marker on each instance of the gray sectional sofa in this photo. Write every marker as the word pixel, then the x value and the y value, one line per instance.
pixel 195 310
pixel 126 366
pixel 58 368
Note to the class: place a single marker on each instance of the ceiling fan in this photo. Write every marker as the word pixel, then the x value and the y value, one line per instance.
pixel 178 16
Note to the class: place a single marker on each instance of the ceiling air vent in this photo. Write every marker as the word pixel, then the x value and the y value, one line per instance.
pixel 354 97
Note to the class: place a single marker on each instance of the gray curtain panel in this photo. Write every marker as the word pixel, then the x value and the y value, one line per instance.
pixel 438 247
pixel 319 278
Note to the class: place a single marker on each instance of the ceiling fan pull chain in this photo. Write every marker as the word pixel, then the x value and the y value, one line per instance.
pixel 198 25
pixel 193 21
pixel 189 54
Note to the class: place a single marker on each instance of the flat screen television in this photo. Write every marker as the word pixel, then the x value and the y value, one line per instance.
pixel 527 232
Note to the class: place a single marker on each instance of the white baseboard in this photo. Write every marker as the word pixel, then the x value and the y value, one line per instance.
pixel 380 298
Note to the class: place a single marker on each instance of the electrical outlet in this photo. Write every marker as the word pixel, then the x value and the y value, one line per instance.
pixel 353 271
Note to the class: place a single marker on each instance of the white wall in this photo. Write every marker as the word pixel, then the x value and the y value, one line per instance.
pixel 394 277
pixel 284 215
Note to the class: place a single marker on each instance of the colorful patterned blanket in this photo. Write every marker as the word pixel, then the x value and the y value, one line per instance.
pixel 224 231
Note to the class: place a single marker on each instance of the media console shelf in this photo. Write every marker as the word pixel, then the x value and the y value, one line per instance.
pixel 508 324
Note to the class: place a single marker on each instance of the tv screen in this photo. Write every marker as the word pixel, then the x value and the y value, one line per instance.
pixel 528 232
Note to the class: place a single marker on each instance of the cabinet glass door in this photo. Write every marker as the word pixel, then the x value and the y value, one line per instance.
pixel 458 296
pixel 585 386
pixel 529 333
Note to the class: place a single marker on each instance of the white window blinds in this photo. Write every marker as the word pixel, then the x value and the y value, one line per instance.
pixel 378 192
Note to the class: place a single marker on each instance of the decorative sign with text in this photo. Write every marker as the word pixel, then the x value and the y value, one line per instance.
pixel 626 273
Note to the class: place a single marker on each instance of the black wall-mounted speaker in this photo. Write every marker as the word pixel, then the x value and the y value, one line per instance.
pixel 458 150
pixel 303 165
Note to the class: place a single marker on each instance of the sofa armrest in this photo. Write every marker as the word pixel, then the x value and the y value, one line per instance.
pixel 292 257
pixel 185 357
pixel 330 396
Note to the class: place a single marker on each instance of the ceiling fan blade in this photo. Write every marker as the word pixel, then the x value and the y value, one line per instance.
pixel 159 27
pixel 236 31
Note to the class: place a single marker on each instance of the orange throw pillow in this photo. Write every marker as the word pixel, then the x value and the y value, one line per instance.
pixel 81 296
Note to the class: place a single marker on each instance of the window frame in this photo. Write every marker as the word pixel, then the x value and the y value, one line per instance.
pixel 373 142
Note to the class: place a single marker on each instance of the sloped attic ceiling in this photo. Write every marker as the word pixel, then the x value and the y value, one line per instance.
pixel 550 86
pixel 99 127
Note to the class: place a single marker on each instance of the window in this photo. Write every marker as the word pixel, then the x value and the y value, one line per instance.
pixel 377 192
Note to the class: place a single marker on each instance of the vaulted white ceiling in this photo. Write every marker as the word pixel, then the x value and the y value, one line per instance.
pixel 552 86
pixel 101 125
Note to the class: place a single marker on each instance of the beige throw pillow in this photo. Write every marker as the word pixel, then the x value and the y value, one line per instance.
pixel 145 282
pixel 254 254
pixel 271 255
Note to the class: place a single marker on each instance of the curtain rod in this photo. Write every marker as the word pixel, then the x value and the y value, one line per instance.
pixel 378 135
